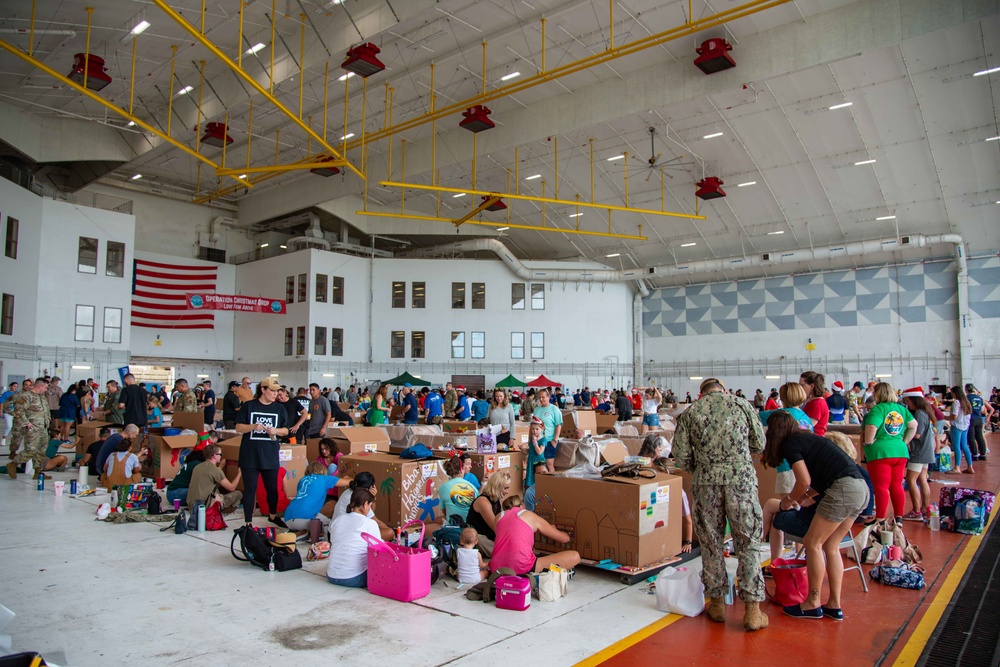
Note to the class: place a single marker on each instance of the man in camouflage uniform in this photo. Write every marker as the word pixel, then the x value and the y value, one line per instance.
pixel 450 401
pixel 186 401
pixel 16 432
pixel 713 441
pixel 528 405
pixel 31 414
pixel 110 409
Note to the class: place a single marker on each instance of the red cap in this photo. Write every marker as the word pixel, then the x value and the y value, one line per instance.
pixel 914 391
pixel 460 388
pixel 838 386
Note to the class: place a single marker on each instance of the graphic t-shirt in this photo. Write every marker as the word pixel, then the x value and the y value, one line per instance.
pixel 977 408
pixel 311 495
pixel 258 449
pixel 456 497
pixel 891 420
pixel 551 417
pixel 434 404
pixel 319 408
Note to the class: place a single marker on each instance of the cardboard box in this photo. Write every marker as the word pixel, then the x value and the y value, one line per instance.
pixel 192 420
pixel 582 419
pixel 352 439
pixel 572 452
pixel 455 426
pixel 403 485
pixel 445 441
pixel 87 434
pixel 632 443
pixel 290 457
pixel 634 522
pixel 169 453
pixel 766 478
pixel 410 434
pixel 396 414
pixel 484 465
pixel 605 423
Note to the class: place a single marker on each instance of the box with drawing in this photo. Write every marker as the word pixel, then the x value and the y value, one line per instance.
pixel 407 488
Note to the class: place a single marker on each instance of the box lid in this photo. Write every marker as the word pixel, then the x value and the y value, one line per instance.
pixel 358 434
pixel 179 441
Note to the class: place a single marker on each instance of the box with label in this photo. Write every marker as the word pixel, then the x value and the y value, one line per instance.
pixel 484 465
pixel 633 522
pixel 351 440
pixel 290 457
pixel 407 488
pixel 584 420
pixel 169 453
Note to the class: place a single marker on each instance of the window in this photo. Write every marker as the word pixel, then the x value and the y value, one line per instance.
pixel 10 242
pixel 537 345
pixel 398 294
pixel 537 296
pixel 112 325
pixel 478 296
pixel 84 324
pixel 517 345
pixel 458 345
pixel 7 319
pixel 478 344
pixel 397 346
pixel 320 347
pixel 517 296
pixel 115 263
pixel 300 340
pixel 458 295
pixel 303 288
pixel 338 290
pixel 321 284
pixel 289 341
pixel 87 256
pixel 417 344
pixel 337 342
pixel 290 289
pixel 418 295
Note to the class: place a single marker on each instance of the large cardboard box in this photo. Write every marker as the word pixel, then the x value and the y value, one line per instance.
pixel 445 441
pixel 634 522
pixel 292 458
pixel 582 419
pixel 407 489
pixel 455 426
pixel 605 423
pixel 352 439
pixel 192 420
pixel 608 449
pixel 396 414
pixel 484 465
pixel 410 434
pixel 169 453
pixel 87 434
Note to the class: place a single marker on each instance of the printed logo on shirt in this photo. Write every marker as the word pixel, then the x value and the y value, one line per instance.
pixel 893 423
pixel 265 418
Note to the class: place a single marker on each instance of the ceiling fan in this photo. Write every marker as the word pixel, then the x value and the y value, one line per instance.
pixel 654 163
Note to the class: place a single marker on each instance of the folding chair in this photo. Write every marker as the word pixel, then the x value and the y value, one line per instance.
pixel 846 543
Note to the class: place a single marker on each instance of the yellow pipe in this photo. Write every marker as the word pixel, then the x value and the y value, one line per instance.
pixel 326 86
pixel 690 11
pixel 720 18
pixel 508 190
pixel 489 201
pixel 364 107
pixel 402 174
pixel 302 60
pixel 203 16
pixel 170 88
pixel 201 87
pixel 555 145
pixel 31 35
pixel 578 211
pixel 611 8
pixel 433 97
pixel 86 49
pixel 438 179
pixel 279 168
pixel 347 88
pixel 309 139
pixel 392 92
pixel 249 136
pixel 239 40
pixel 543 203
pixel 517 173
pixel 626 178
pixel 484 65
pixel 197 185
pixel 108 105
pixel 131 82
pixel 663 192
pixel 591 170
pixel 270 72
pixel 433 132
pixel 486 223
pixel 207 43
pixel 549 200
pixel 543 45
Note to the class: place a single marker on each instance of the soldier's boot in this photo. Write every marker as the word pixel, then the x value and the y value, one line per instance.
pixel 753 617
pixel 717 610
pixel 12 470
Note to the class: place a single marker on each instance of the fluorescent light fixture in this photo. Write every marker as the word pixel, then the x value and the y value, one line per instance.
pixel 840 106
pixel 772 377
pixel 695 377
pixel 531 178
pixel 883 375
pixel 417 376
pixel 81 367
pixel 203 375
pixel 131 123
pixel 688 245
pixel 743 185
pixel 460 194
pixel 780 231
pixel 347 136
pixel 575 215
pixel 140 27
pixel 886 217
pixel 713 135
pixel 136 177
pixel 185 90
pixel 274 375
pixel 617 157
pixel 283 247
pixel 499 229
pixel 346 76
pixel 858 164
pixel 614 254
pixel 242 176
pixel 993 139
pixel 264 245
pixel 328 375
pixel 508 77
pixel 255 48
pixel 981 73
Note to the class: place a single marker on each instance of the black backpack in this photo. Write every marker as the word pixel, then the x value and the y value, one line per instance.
pixel 255 550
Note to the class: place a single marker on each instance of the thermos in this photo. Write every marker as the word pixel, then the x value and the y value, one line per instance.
pixel 201 518
pixel 72 487
pixel 41 480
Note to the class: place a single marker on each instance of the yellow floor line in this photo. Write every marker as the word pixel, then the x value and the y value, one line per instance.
pixel 629 641
pixel 918 640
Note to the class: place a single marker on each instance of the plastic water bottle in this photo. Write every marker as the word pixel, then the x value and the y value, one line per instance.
pixel 934 523
pixel 201 518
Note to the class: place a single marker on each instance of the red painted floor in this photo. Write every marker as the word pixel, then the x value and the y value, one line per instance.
pixel 876 625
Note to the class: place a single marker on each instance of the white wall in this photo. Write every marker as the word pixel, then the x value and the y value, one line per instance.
pixel 20 276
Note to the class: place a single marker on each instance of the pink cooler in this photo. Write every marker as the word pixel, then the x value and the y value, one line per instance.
pixel 396 572
pixel 513 593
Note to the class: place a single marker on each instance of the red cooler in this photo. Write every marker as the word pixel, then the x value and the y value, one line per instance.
pixel 513 593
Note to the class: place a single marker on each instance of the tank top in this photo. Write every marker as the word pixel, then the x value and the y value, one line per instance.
pixel 514 544
pixel 468 566
pixel 475 519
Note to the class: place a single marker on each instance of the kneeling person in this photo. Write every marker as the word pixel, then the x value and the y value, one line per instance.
pixel 207 476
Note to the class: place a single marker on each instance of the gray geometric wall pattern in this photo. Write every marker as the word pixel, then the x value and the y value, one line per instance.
pixel 911 293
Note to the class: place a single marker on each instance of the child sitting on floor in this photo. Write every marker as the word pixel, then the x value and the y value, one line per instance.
pixel 471 567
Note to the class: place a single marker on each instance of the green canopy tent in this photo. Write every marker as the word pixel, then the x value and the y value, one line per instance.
pixel 400 380
pixel 510 381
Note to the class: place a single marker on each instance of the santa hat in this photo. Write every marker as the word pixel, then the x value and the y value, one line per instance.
pixel 914 392
pixel 460 388
pixel 515 394
pixel 536 420
pixel 838 386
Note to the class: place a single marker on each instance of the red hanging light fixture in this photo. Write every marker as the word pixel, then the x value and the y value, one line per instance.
pixel 498 205
pixel 362 60
pixel 97 76
pixel 477 119
pixel 710 187
pixel 326 171
pixel 215 135
pixel 713 56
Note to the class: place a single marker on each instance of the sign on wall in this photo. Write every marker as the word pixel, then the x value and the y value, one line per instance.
pixel 245 304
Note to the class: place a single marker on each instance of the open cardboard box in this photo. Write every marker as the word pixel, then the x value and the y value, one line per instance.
pixel 609 450
pixel 192 420
pixel 351 440
pixel 455 426
pixel 169 453
pixel 407 488
pixel 484 465
pixel 88 433
pixel 582 419
pixel 290 457
pixel 410 434
pixel 633 522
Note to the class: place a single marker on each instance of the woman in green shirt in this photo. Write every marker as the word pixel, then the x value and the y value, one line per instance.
pixel 889 426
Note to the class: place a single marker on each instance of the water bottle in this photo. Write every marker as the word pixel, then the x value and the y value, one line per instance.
pixel 41 481
pixel 72 487
pixel 114 497
pixel 201 518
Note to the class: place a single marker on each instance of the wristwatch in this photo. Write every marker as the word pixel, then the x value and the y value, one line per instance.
pixel 685 542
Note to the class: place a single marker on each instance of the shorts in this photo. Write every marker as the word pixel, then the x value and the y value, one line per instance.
pixel 846 498
pixel 794 522
pixel 916 467
pixel 651 419
pixel 70 420
pixel 434 420
pixel 551 450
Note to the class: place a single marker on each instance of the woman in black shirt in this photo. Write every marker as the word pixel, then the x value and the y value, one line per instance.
pixel 486 508
pixel 820 467
pixel 261 421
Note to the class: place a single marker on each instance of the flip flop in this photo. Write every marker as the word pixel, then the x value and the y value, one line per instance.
pixel 798 612
pixel 835 614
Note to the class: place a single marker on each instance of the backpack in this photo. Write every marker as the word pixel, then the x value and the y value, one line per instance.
pixel 255 550
pixel 443 546
pixel 179 524
pixel 213 517
pixel 153 504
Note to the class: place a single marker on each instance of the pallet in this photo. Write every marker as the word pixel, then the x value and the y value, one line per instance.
pixel 634 575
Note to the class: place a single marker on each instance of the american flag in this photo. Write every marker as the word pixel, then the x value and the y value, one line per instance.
pixel 158 290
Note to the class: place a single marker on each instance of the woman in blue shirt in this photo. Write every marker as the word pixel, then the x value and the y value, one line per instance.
pixel 69 406
pixel 154 411
pixel 310 501
pixel 480 407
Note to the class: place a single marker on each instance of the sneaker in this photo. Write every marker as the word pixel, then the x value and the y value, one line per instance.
pixel 277 522
pixel 913 515
pixel 835 614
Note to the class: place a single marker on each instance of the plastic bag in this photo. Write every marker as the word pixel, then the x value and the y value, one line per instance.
pixel 679 591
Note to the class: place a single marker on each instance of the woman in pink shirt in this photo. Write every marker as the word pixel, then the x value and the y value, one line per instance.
pixel 515 541
pixel 815 385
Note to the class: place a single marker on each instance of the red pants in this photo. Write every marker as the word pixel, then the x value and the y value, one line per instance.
pixel 887 480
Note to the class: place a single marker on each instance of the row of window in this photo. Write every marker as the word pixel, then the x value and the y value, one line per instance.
pixel 114 264
pixel 295 341
pixel 477 300
pixel 476 344
pixel 10 237
pixel 84 324
pixel 326 286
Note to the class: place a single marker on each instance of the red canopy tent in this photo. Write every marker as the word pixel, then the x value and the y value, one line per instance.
pixel 542 381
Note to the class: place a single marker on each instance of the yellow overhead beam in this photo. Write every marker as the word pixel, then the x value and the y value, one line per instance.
pixel 484 223
pixel 280 167
pixel 111 107
pixel 489 201
pixel 547 200
pixel 240 72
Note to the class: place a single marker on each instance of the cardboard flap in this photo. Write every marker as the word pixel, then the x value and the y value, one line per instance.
pixel 179 441
pixel 192 420
pixel 356 434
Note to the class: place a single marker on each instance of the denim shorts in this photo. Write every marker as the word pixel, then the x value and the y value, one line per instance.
pixel 360 581
pixel 550 450
pixel 651 420
pixel 794 522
